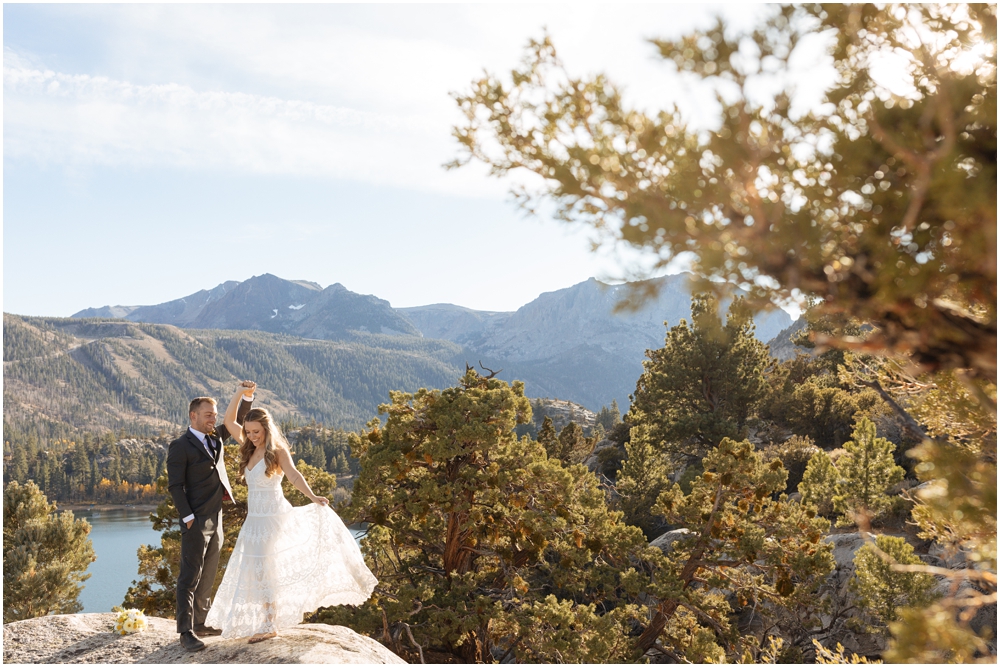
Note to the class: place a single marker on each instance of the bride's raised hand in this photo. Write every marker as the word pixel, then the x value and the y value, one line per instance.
pixel 248 387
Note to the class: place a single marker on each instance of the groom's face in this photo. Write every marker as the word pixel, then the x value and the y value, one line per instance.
pixel 203 419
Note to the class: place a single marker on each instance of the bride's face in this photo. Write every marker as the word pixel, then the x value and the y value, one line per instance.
pixel 255 431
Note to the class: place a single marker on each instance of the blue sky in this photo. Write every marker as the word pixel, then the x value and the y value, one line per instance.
pixel 154 150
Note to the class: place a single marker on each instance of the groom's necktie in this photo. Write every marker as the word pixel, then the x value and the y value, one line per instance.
pixel 211 445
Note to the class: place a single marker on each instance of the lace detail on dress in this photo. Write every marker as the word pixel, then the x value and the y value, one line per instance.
pixel 288 561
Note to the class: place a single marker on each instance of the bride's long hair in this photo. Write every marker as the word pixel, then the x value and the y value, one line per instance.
pixel 272 441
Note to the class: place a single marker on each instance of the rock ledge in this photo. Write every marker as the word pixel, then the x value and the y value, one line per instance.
pixel 88 638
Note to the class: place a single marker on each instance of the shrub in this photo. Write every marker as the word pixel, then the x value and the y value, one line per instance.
pixel 794 454
pixel 45 555
pixel 819 483
pixel 881 590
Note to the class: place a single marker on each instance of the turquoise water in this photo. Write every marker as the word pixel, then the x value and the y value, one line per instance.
pixel 117 535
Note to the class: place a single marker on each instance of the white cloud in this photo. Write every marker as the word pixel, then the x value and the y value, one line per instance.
pixel 80 120
pixel 283 90
pixel 338 92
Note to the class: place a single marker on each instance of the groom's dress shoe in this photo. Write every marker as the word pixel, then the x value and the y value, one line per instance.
pixel 190 642
pixel 206 631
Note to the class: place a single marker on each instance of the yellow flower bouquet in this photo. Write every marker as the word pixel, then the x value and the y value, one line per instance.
pixel 130 621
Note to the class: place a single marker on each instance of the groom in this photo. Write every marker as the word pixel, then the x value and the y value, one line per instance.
pixel 198 483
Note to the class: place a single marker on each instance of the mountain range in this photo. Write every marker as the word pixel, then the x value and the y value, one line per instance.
pixel 332 354
pixel 568 343
pixel 268 303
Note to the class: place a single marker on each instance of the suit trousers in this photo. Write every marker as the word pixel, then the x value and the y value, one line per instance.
pixel 200 547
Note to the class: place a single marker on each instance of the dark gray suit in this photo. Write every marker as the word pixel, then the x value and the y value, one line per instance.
pixel 198 484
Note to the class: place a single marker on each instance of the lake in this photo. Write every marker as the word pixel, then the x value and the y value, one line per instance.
pixel 116 534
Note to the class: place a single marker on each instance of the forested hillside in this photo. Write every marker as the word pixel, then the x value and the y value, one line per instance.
pixel 67 374
pixel 89 405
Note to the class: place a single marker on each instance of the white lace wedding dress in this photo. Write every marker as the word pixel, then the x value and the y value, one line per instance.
pixel 287 561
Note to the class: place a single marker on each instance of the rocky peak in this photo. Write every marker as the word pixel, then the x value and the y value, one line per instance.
pixel 583 316
pixel 179 312
pixel 255 302
pixel 269 303
pixel 451 322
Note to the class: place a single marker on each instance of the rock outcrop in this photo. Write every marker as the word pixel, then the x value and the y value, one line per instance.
pixel 665 542
pixel 561 413
pixel 88 638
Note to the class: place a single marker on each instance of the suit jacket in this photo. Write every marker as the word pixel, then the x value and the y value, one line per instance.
pixel 197 482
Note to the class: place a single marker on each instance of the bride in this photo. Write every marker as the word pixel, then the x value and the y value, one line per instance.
pixel 287 560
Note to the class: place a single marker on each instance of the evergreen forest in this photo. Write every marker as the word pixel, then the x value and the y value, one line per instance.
pixel 62 375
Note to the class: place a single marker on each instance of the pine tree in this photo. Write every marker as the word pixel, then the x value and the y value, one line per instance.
pixel 114 454
pixel 794 453
pixel 572 445
pixel 644 475
pixel 937 634
pixel 317 458
pixel 548 438
pixel 819 408
pixel 45 555
pixel 301 450
pixel 609 417
pixel 704 383
pixel 147 470
pixel 768 554
pixel 37 472
pixel 884 223
pixel 866 472
pixel 95 477
pixel 881 590
pixel 819 483
pixel 58 482
pixel 79 466
pixel 18 469
pixel 484 546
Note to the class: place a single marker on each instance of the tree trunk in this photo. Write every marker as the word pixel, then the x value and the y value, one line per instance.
pixel 666 609
pixel 471 650
pixel 663 614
